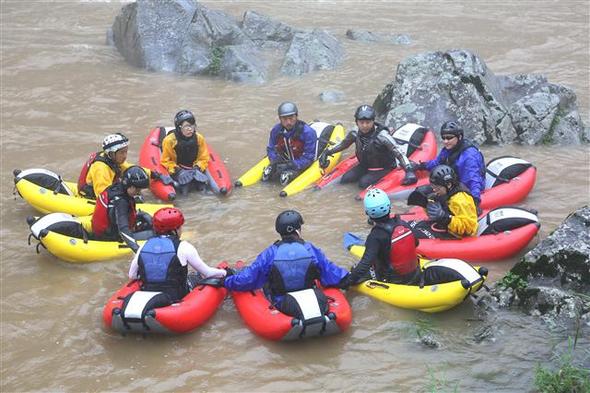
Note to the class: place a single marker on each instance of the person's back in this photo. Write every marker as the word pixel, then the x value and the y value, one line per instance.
pixel 289 265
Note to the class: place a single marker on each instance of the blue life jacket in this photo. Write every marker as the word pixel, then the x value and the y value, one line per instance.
pixel 159 267
pixel 293 269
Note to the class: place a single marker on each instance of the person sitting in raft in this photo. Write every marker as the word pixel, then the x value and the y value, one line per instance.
pixel 291 146
pixel 115 217
pixel 185 154
pixel 390 249
pixel 162 262
pixel 463 156
pixel 104 168
pixel 375 150
pixel 289 265
pixel 451 208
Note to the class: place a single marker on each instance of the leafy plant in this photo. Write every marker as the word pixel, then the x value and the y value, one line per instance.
pixel 514 281
pixel 439 384
pixel 217 53
pixel 568 378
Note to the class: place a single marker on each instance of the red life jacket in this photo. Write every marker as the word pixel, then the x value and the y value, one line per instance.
pixel 291 148
pixel 86 189
pixel 101 219
pixel 402 254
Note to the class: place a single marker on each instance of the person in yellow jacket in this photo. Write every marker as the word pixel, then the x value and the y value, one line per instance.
pixel 451 209
pixel 185 154
pixel 102 169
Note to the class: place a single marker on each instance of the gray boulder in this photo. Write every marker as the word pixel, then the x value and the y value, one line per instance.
pixel 369 36
pixel 260 28
pixel 553 279
pixel 317 50
pixel 242 63
pixel 430 88
pixel 331 96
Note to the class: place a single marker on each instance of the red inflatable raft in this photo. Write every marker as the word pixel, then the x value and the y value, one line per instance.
pixel 131 310
pixel 269 323
pixel 149 157
pixel 508 181
pixel 413 140
pixel 502 233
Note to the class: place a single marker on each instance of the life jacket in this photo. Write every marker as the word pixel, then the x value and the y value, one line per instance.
pixel 293 268
pixel 444 199
pixel 403 257
pixel 186 149
pixel 370 152
pixel 291 148
pixel 463 145
pixel 102 218
pixel 159 267
pixel 86 189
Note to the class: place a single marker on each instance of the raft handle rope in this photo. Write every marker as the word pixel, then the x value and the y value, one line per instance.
pixel 372 284
pixel 502 179
pixel 403 142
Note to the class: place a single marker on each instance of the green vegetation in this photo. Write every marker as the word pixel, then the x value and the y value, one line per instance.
pixel 439 384
pixel 514 281
pixel 217 53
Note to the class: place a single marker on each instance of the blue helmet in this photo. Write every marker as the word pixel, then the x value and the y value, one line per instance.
pixel 377 203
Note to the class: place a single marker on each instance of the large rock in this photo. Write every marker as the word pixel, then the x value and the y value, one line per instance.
pixel 553 279
pixel 369 36
pixel 242 63
pixel 430 88
pixel 317 50
pixel 260 28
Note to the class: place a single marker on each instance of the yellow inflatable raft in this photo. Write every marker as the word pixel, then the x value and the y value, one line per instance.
pixel 311 174
pixel 428 298
pixel 66 237
pixel 48 193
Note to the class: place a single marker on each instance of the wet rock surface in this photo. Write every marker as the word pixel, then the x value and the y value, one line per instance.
pixel 552 281
pixel 431 88
pixel 369 36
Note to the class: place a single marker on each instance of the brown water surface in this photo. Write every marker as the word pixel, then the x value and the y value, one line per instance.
pixel 63 89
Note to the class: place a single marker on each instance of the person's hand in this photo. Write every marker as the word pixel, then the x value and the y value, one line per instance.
pixel 410 178
pixel 184 176
pixel 267 173
pixel 230 271
pixel 323 160
pixel 437 214
pixel 155 175
pixel 166 179
pixel 345 282
pixel 417 166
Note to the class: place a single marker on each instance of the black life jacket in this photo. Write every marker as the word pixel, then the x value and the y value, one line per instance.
pixel 370 152
pixel 186 149
pixel 159 267
pixel 293 268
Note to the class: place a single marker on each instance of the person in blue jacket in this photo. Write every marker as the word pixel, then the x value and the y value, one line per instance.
pixel 291 146
pixel 289 265
pixel 463 156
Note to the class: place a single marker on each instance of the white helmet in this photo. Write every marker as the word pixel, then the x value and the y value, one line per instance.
pixel 114 142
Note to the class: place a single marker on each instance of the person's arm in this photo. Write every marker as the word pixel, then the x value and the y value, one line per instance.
pixel 348 140
pixel 100 176
pixel 203 156
pixel 134 267
pixel 385 139
pixel 361 269
pixel 463 215
pixel 470 172
pixel 188 254
pixel 271 150
pixel 168 157
pixel 428 165
pixel 254 276
pixel 310 139
pixel 121 209
pixel 330 273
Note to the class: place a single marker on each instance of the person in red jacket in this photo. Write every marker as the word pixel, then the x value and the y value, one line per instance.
pixel 115 217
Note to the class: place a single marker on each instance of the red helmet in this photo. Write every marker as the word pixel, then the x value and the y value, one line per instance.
pixel 167 220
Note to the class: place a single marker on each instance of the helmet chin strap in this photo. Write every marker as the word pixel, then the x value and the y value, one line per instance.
pixel 298 232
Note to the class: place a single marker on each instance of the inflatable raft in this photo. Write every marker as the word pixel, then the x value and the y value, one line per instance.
pixel 269 323
pixel 67 237
pixel 131 310
pixel 508 181
pixel 502 233
pixel 48 193
pixel 416 142
pixel 426 298
pixel 325 132
pixel 149 157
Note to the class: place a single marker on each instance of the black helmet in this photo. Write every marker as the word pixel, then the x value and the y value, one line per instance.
pixel 287 108
pixel 183 116
pixel 364 112
pixel 135 176
pixel 451 127
pixel 288 222
pixel 442 175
